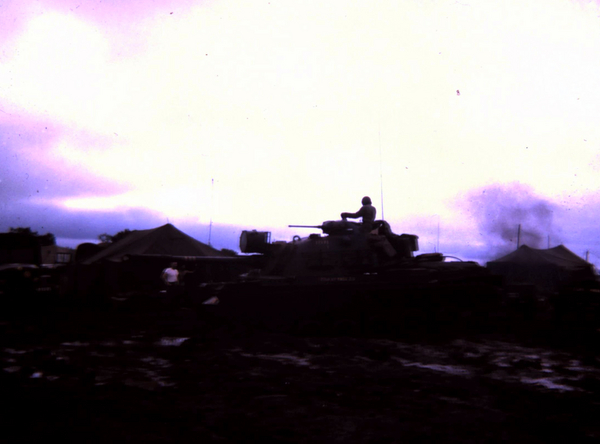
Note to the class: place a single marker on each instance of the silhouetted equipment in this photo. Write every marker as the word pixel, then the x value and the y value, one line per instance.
pixel 363 280
pixel 24 278
pixel 255 241
pixel 20 248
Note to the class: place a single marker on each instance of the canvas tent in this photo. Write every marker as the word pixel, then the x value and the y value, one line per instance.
pixel 166 240
pixel 134 263
pixel 549 270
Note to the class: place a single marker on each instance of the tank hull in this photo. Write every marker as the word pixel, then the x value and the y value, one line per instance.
pixel 403 302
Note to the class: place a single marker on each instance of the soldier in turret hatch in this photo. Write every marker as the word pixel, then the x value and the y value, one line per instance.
pixel 367 213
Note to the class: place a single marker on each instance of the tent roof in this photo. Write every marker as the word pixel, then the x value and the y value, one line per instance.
pixel 164 240
pixel 560 256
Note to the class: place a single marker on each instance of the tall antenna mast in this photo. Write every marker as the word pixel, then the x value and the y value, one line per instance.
pixel 212 189
pixel 380 173
pixel 438 235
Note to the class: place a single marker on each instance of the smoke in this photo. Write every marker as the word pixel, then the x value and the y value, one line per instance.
pixel 499 210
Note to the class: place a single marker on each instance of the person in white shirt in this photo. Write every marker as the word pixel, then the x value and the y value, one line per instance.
pixel 170 276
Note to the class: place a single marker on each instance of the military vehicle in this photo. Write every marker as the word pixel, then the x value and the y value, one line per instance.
pixel 347 280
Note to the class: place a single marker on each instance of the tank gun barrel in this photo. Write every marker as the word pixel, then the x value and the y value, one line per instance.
pixel 305 226
pixel 332 227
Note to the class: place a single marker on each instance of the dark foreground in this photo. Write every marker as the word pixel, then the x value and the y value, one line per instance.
pixel 167 376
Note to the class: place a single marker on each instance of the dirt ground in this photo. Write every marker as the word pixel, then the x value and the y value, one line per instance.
pixel 74 376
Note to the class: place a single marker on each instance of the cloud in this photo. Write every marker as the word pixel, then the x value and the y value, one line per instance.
pixel 124 21
pixel 74 227
pixel 34 181
pixel 31 167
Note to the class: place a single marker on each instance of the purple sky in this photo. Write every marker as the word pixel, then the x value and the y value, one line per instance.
pixel 473 117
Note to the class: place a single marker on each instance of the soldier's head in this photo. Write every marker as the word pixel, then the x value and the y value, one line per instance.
pixel 366 200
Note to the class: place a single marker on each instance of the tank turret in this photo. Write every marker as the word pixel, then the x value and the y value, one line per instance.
pixel 343 249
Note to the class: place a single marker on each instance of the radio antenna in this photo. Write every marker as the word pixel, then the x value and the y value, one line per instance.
pixel 438 235
pixel 380 172
pixel 212 192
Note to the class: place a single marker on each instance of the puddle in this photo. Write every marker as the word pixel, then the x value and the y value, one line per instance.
pixel 155 378
pixel 445 368
pixel 171 342
pixel 75 344
pixel 502 361
pixel 12 351
pixel 549 384
pixel 145 385
pixel 283 358
pixel 101 355
pixel 157 362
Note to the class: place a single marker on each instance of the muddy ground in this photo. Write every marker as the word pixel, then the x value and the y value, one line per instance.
pixel 165 376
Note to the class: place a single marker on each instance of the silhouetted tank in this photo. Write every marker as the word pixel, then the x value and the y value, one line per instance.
pixel 348 280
